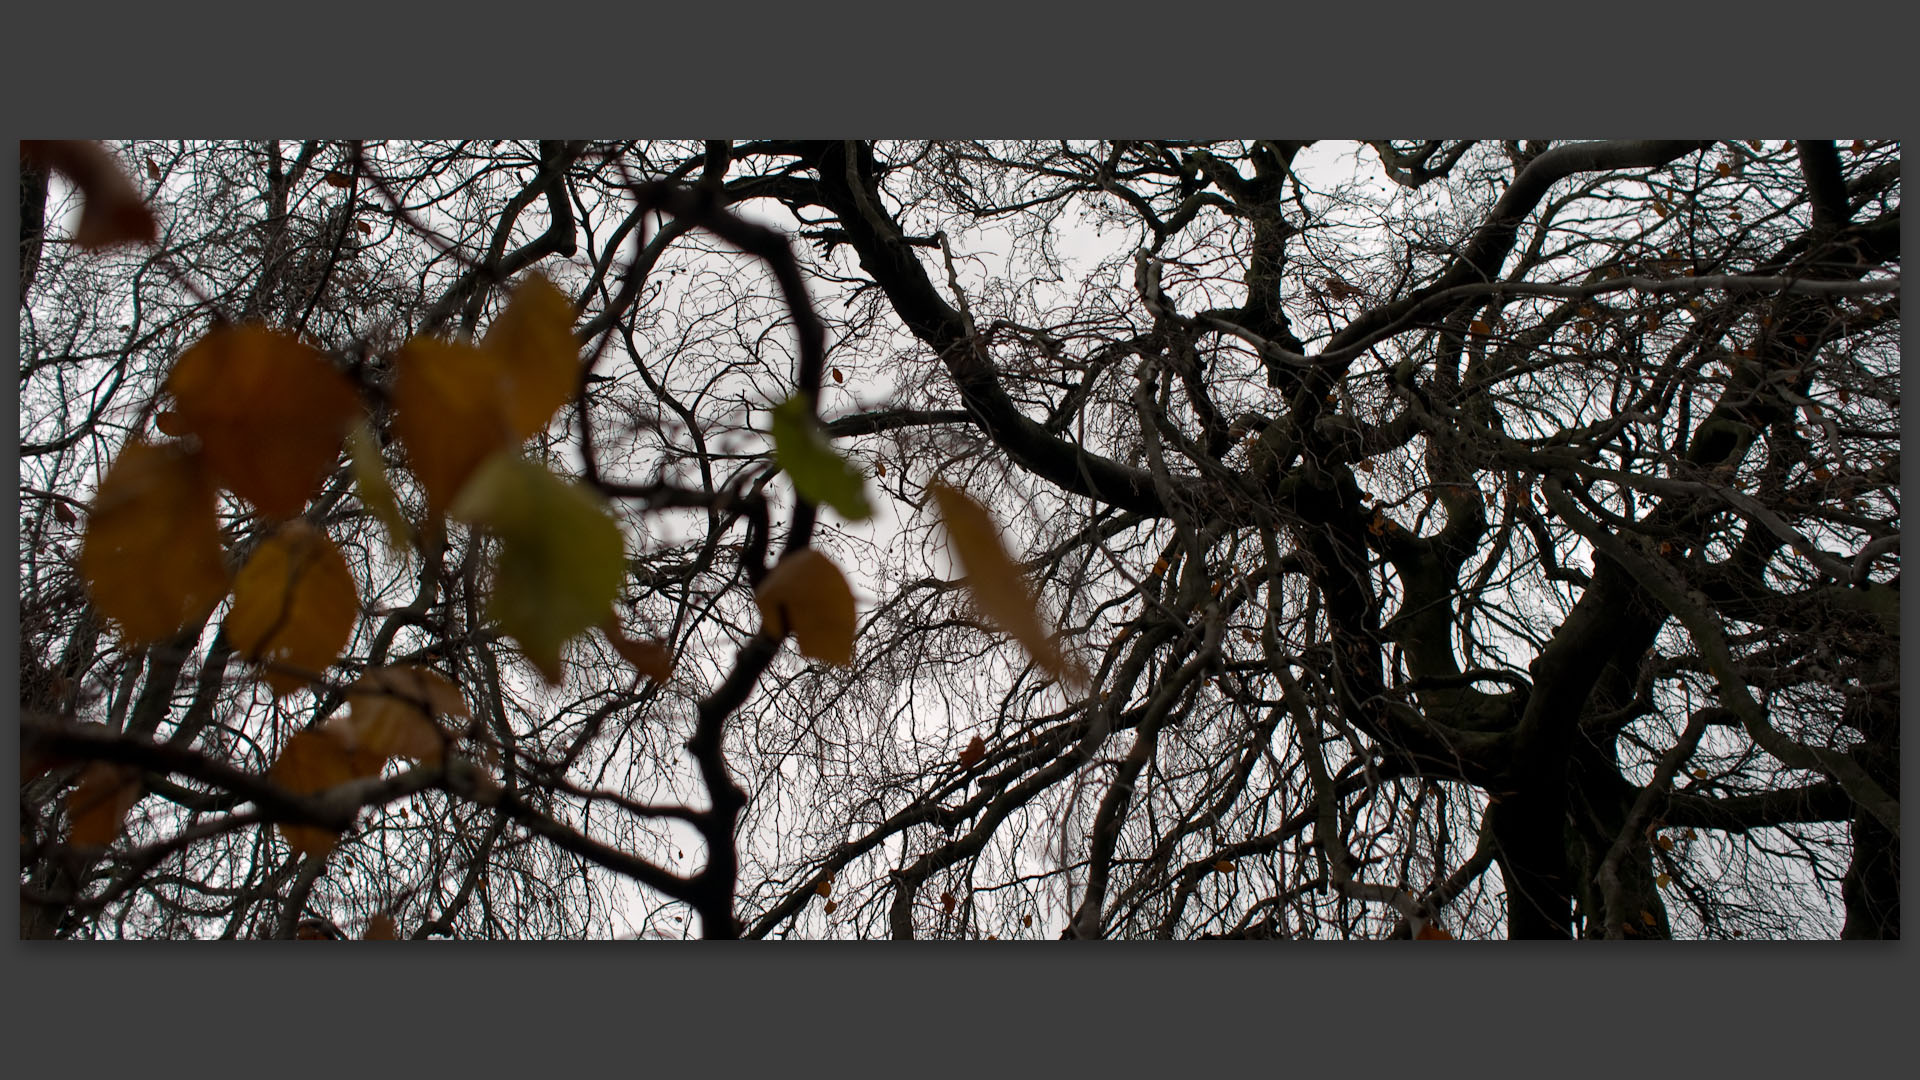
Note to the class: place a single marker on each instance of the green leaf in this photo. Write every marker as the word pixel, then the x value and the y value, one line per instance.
pixel 818 471
pixel 561 555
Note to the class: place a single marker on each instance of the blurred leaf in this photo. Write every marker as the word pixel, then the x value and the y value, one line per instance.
pixel 295 603
pixel 151 553
pixel 825 888
pixel 1026 920
pixel 336 180
pixel 533 341
pixel 64 514
pixel 311 762
pixel 170 423
pixel 153 169
pixel 1433 932
pixel 561 561
pixel 449 413
pixel 269 411
pixel 365 229
pixel 1663 880
pixel 998 585
pixel 806 595
pixel 370 481
pixel 1225 866
pixel 98 805
pixel 392 712
pixel 818 472
pixel 111 209
pixel 649 658
pixel 830 907
pixel 974 754
pixel 380 928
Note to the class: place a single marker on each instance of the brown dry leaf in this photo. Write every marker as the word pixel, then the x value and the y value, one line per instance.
pixel 380 928
pixel 1225 866
pixel 392 709
pixel 974 754
pixel 534 344
pixel 830 907
pixel 151 553
pixel 838 376
pixel 997 584
pixel 825 888
pixel 111 209
pixel 98 805
pixel 1478 326
pixel 947 901
pixel 650 658
pixel 1665 842
pixel 336 180
pixel 1663 880
pixel 365 229
pixel 1433 932
pixel 64 514
pixel 311 762
pixel 294 603
pixel 270 413
pixel 1648 918
pixel 1026 920
pixel 153 169
pixel 806 594
pixel 449 412
pixel 880 467
pixel 170 423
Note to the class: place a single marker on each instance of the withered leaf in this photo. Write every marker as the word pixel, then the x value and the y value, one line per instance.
pixel 111 209
pixel 539 359
pixel 311 762
pixel 98 805
pixel 392 710
pixel 449 412
pixel 293 603
pixel 151 552
pixel 269 411
pixel 650 658
pixel 974 754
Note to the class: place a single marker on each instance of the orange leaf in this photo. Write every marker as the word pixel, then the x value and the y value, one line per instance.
pixel 392 712
pixel 880 467
pixel 98 806
pixel 295 603
pixel 650 658
pixel 151 553
pixel 311 762
pixel 270 413
pixel 111 209
pixel 998 585
pixel 449 413
pixel 974 754
pixel 533 342
pixel 806 594
pixel 1160 567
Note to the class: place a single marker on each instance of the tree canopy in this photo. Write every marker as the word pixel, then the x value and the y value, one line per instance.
pixel 1027 539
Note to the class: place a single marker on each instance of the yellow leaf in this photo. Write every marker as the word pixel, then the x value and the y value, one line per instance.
pixel 311 762
pixel 533 341
pixel 370 480
pixel 151 553
pixel 998 586
pixel 294 603
pixel 449 412
pixel 98 806
pixel 392 712
pixel 806 595
pixel 269 411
